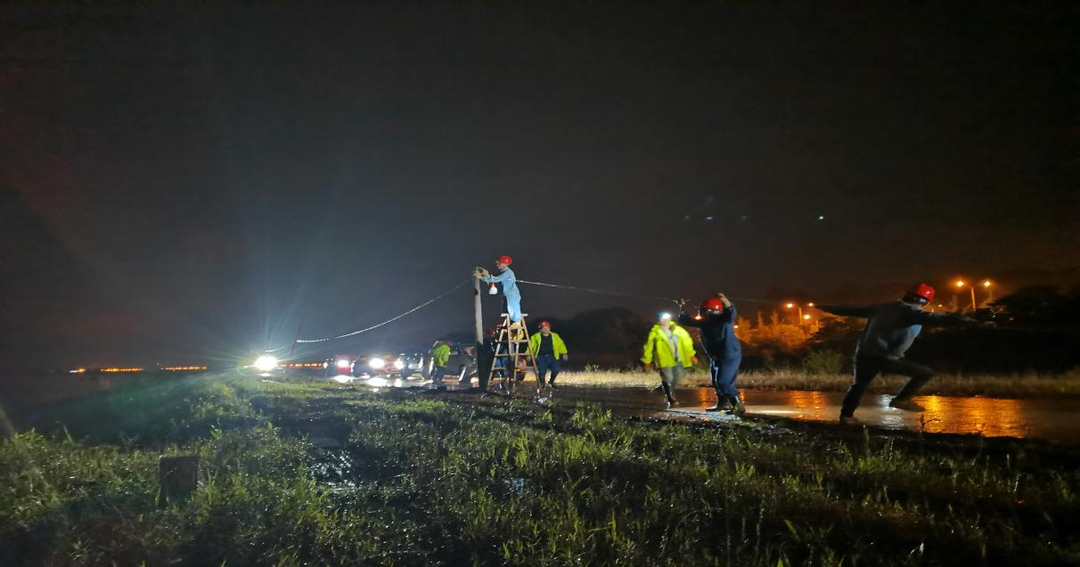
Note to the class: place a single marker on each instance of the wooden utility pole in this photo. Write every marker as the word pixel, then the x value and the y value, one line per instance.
pixel 478 311
pixel 483 358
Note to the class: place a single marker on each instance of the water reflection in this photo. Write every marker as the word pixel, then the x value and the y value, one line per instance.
pixel 986 416
pixel 990 417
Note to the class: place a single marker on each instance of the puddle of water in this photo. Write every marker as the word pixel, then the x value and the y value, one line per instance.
pixel 1047 419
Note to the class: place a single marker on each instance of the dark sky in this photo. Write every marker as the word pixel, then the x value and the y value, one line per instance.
pixel 184 181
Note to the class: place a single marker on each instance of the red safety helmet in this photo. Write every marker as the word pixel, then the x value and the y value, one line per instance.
pixel 712 304
pixel 922 291
pixel 545 324
pixel 504 259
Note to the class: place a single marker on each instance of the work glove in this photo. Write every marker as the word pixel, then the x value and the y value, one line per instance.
pixel 648 366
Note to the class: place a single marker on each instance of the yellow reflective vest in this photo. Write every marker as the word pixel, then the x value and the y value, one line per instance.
pixel 440 354
pixel 557 344
pixel 658 349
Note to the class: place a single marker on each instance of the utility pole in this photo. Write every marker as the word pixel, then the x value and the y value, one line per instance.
pixel 483 360
pixel 292 348
pixel 478 311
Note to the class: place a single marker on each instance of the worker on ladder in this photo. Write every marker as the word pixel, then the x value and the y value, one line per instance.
pixel 506 280
pixel 549 350
pixel 672 347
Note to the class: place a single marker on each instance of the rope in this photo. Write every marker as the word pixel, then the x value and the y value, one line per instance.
pixel 447 292
pixel 373 327
pixel 621 294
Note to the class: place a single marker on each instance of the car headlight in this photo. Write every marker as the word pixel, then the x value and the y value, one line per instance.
pixel 343 363
pixel 377 363
pixel 399 364
pixel 266 363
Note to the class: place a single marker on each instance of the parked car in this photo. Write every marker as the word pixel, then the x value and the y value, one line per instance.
pixel 340 364
pixel 378 365
pixel 462 362
pixel 413 363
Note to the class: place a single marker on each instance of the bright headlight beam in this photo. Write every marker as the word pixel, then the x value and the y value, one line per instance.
pixel 377 363
pixel 399 364
pixel 343 363
pixel 266 363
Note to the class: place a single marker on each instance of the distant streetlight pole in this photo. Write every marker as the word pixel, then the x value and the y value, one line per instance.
pixel 987 284
pixel 789 305
pixel 959 285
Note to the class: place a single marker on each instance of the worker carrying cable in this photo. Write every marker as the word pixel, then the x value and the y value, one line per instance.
pixel 550 351
pixel 440 355
pixel 672 348
pixel 716 320
pixel 506 280
pixel 890 330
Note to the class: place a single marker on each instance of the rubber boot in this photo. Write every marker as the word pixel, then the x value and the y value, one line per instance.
pixel 722 403
pixel 667 394
pixel 737 408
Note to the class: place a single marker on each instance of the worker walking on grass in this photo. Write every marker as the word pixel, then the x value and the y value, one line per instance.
pixel 440 355
pixel 716 320
pixel 550 351
pixel 890 330
pixel 672 349
pixel 506 280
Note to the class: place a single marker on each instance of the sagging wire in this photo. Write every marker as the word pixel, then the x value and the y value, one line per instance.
pixel 373 327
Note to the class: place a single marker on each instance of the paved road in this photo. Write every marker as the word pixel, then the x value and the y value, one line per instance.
pixel 1046 419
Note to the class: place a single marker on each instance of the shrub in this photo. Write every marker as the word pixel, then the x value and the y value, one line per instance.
pixel 823 362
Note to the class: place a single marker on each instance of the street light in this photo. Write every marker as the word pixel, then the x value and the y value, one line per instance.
pixel 789 305
pixel 960 284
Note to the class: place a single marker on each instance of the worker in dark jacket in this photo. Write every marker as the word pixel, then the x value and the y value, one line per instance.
pixel 889 332
pixel 716 320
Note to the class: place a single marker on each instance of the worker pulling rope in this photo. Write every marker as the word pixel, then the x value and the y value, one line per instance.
pixel 373 327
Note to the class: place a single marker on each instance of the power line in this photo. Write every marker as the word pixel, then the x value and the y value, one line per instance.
pixel 373 327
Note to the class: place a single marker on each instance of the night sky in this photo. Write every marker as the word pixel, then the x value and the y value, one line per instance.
pixel 184 182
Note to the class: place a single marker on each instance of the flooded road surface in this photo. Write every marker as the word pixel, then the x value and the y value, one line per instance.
pixel 1047 419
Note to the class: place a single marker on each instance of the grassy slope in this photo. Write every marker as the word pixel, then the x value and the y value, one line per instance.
pixel 1010 386
pixel 312 474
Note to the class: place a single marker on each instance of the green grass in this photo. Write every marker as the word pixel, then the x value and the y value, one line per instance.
pixel 1029 385
pixel 316 474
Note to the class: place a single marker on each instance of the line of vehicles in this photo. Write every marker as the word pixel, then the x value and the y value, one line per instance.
pixel 462 363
